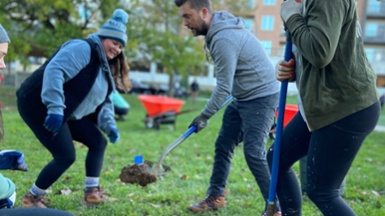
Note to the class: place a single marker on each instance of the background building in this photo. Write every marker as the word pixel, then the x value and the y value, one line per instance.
pixel 268 27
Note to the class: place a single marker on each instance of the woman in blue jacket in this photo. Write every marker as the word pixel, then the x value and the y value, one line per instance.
pixel 67 99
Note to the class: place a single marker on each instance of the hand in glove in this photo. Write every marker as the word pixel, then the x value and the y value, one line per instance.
pixel 285 70
pixel 53 122
pixel 13 160
pixel 114 135
pixel 289 8
pixel 200 122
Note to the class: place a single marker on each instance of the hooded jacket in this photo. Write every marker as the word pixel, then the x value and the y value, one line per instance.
pixel 75 88
pixel 337 79
pixel 242 67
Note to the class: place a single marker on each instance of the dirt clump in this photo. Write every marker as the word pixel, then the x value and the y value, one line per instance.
pixel 143 174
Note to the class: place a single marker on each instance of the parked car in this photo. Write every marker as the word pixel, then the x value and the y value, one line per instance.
pixel 138 88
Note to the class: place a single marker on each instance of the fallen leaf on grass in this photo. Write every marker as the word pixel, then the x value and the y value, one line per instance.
pixel 65 192
pixel 130 195
pixel 113 199
pixel 184 177
pixel 155 205
pixel 375 193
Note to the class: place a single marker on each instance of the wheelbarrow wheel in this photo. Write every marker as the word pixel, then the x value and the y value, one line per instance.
pixel 149 122
pixel 152 123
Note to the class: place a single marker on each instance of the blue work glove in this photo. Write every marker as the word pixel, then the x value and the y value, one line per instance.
pixel 53 122
pixel 114 135
pixel 200 122
pixel 289 8
pixel 12 159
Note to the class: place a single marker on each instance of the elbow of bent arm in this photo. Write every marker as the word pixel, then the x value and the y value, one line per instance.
pixel 321 56
pixel 320 62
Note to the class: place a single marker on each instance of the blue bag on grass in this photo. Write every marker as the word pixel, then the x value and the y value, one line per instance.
pixel 13 160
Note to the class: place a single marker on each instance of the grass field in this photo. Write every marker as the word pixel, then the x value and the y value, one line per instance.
pixel 191 165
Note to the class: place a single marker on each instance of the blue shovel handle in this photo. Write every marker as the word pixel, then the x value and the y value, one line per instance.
pixel 279 128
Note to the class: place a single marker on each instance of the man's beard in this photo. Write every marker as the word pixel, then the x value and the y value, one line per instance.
pixel 202 30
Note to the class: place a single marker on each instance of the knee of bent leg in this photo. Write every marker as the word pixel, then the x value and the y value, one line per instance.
pixel 321 196
pixel 67 159
pixel 103 143
pixel 98 144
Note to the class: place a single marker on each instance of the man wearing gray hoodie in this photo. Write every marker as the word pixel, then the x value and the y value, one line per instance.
pixel 243 70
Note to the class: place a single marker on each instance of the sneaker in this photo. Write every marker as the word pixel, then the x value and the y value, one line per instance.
pixel 94 196
pixel 208 204
pixel 31 201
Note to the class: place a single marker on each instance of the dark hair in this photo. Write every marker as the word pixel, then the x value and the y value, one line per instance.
pixel 119 69
pixel 195 4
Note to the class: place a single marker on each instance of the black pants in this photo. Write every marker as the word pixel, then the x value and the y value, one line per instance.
pixel 62 148
pixel 330 151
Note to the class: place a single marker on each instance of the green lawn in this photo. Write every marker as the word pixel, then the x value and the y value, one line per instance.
pixel 191 165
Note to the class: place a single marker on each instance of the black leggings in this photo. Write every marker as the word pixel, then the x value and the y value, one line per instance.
pixel 62 148
pixel 331 151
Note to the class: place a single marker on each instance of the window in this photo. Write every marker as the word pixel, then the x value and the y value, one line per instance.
pixel 375 30
pixel 267 46
pixel 376 57
pixel 268 2
pixel 374 6
pixel 371 30
pixel 249 24
pixel 267 23
pixel 370 54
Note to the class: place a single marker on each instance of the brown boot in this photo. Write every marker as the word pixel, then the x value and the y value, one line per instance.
pixel 94 196
pixel 210 203
pixel 31 201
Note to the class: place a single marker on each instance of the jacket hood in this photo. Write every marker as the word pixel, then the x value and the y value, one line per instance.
pixel 95 38
pixel 223 20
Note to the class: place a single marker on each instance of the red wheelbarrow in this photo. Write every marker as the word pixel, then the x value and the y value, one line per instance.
pixel 161 110
pixel 290 111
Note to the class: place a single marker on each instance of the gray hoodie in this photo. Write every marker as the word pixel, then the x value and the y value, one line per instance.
pixel 242 67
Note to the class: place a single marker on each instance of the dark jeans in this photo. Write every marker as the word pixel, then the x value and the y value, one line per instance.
pixel 250 122
pixel 330 151
pixel 62 148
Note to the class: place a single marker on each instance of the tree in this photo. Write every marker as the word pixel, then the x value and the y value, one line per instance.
pixel 38 27
pixel 155 28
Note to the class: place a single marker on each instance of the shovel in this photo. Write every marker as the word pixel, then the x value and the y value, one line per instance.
pixel 271 202
pixel 158 168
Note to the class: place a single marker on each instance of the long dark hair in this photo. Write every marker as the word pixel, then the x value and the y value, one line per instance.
pixel 120 69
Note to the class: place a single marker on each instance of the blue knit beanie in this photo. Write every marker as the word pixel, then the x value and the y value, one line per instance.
pixel 3 35
pixel 115 27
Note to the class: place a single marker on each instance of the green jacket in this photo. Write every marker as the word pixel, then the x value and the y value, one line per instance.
pixel 7 187
pixel 337 79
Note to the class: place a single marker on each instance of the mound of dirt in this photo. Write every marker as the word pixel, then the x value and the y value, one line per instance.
pixel 140 174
